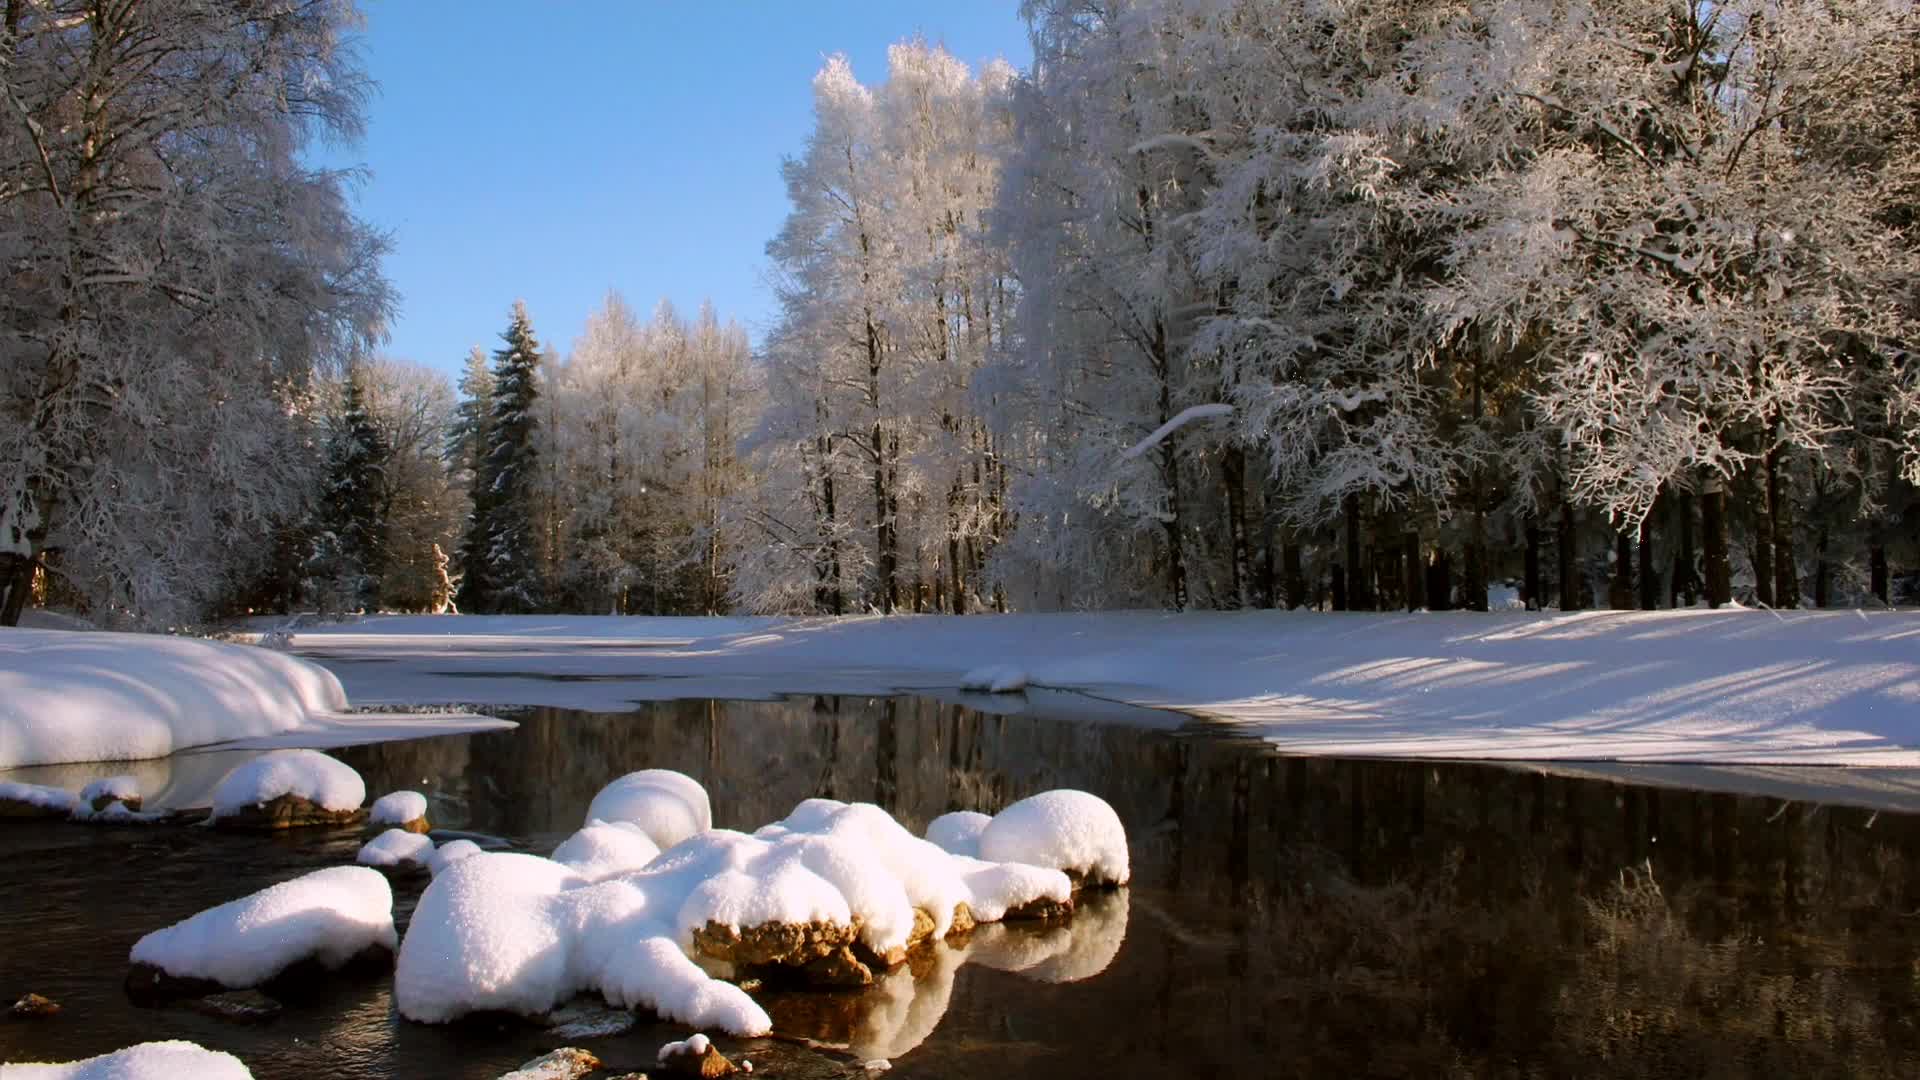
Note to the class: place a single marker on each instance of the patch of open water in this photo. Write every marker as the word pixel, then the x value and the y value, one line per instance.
pixel 1289 916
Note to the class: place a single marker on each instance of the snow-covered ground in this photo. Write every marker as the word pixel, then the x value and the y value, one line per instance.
pixel 1828 687
pixel 73 696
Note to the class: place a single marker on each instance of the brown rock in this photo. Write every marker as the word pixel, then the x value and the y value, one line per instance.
pixel 772 944
pixel 1041 910
pixel 684 1062
pixel 417 825
pixel 963 922
pixel 237 1006
pixel 148 985
pixel 34 1007
pixel 838 970
pixel 287 812
pixel 101 802
pixel 566 1063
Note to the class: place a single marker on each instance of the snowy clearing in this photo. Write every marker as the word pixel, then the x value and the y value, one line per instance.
pixel 73 696
pixel 1753 687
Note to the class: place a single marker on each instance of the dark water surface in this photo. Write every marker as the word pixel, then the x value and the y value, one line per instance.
pixel 1289 916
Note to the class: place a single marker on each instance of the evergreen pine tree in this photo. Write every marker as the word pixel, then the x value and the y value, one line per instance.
pixel 466 452
pixel 348 555
pixel 507 485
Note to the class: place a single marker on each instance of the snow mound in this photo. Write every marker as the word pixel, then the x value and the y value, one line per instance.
pixel 330 915
pixel 396 846
pixel 398 808
pixel 67 696
pixel 668 806
pixel 309 774
pixel 51 799
pixel 169 1060
pixel 449 853
pixel 1061 830
pixel 124 789
pixel 606 848
pixel 519 933
pixel 959 832
pixel 995 679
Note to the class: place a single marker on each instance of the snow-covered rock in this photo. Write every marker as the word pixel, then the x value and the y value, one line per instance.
pixel 330 916
pixel 19 800
pixel 400 809
pixel 959 832
pixel 124 790
pixel 396 847
pixel 834 890
pixel 284 788
pixel 449 853
pixel 1064 830
pixel 169 1060
pixel 694 1056
pixel 606 848
pixel 668 806
pixel 995 679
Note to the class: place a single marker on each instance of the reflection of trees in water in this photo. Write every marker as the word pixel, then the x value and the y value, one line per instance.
pixel 1330 915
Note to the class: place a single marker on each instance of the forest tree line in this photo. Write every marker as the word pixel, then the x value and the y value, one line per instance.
pixel 1222 303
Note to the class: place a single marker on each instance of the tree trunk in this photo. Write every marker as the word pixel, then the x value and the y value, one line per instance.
pixel 16 583
pixel 1713 526
pixel 1233 474
pixel 1822 575
pixel 1531 584
pixel 1686 585
pixel 1439 574
pixel 1356 590
pixel 1878 575
pixel 1620 590
pixel 1339 588
pixel 1786 575
pixel 1649 580
pixel 1296 582
pixel 1569 561
pixel 1415 572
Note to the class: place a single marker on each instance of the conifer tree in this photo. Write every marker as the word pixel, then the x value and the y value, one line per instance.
pixel 506 486
pixel 349 553
pixel 466 457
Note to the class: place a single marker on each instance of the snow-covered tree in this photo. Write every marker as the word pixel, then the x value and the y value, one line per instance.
pixel 348 554
pixel 503 572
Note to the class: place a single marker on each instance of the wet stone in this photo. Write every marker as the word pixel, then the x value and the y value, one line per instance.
pixel 236 1006
pixel 34 1007
pixel 566 1063
pixel 287 812
pixel 707 1062
pixel 21 810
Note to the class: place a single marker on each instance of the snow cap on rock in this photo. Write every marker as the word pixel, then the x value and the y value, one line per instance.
pixel 668 806
pixel 606 848
pixel 398 808
pixel 1061 830
pixel 396 846
pixel 958 832
pixel 309 774
pixel 168 1060
pixel 329 915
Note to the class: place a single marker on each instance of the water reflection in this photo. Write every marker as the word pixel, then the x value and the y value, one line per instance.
pixel 1288 915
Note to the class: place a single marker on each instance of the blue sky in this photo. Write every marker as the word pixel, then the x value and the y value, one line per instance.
pixel 551 150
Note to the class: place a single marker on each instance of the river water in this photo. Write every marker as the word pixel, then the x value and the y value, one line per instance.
pixel 1289 916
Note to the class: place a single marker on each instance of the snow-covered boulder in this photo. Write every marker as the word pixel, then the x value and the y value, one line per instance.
pixel 401 810
pixel 693 1056
pixel 996 679
pixel 169 1060
pixel 668 806
pixel 100 794
pixel 289 788
pixel 333 917
pixel 25 802
pixel 449 853
pixel 606 848
pixel 1071 831
pixel 396 848
pixel 958 833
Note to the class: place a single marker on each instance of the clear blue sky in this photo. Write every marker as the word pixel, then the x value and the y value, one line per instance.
pixel 551 150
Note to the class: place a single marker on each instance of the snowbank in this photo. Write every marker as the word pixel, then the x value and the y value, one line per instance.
pixel 69 696
pixel 514 932
pixel 396 846
pixel 308 774
pixel 170 1060
pixel 330 915
pixel 1734 686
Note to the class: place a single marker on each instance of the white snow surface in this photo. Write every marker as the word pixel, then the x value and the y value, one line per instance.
pixel 996 679
pixel 327 782
pixel 604 848
pixel 170 1060
pixel 1186 416
pixel 666 805
pixel 329 914
pixel 1060 830
pixel 958 832
pixel 117 788
pixel 398 808
pixel 449 853
pixel 1695 685
pixel 69 696
pixel 522 934
pixel 396 846
pixel 52 798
